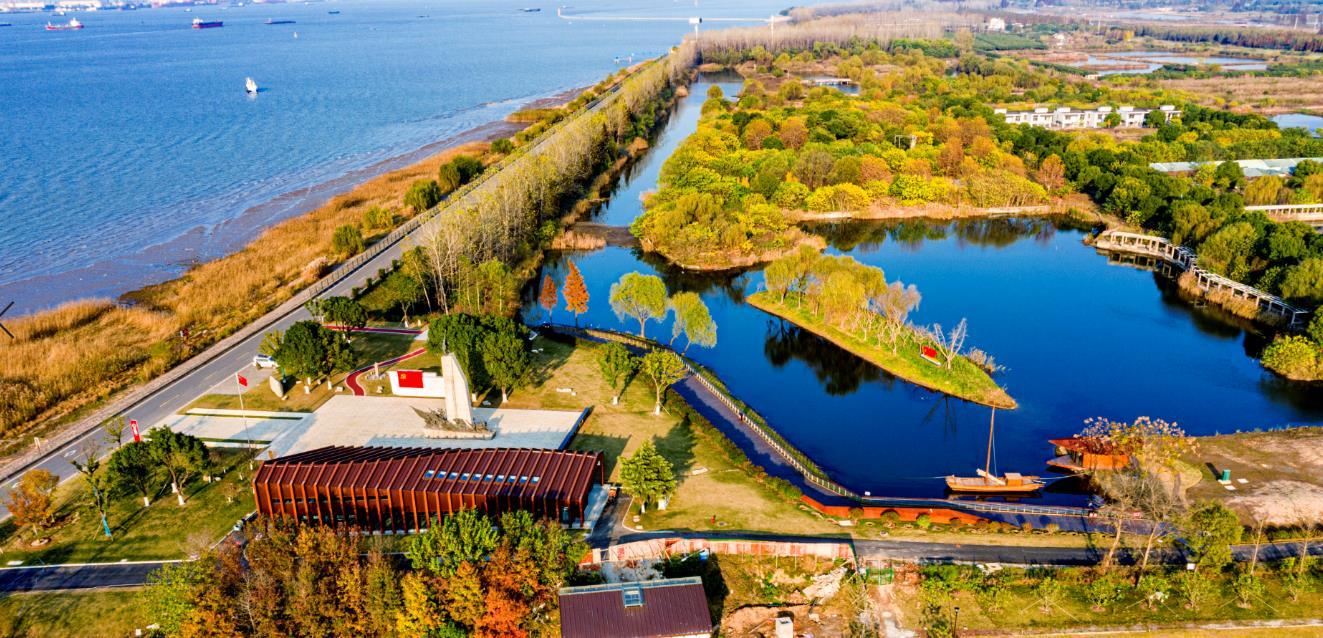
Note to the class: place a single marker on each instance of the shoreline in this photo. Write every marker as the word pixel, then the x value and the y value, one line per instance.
pixel 122 277
pixel 989 397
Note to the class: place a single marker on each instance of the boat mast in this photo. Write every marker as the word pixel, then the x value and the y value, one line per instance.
pixel 987 466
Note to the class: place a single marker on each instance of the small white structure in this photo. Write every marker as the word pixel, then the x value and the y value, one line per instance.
pixel 996 25
pixel 416 383
pixel 1067 118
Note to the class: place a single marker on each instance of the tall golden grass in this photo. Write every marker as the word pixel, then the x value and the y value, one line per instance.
pixel 71 357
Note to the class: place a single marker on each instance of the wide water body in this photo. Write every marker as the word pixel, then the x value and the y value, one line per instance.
pixel 1079 337
pixel 130 148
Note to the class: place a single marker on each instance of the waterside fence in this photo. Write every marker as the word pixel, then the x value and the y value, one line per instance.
pixel 1185 260
pixel 819 490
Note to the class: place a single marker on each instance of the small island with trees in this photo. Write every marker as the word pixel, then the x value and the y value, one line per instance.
pixel 853 306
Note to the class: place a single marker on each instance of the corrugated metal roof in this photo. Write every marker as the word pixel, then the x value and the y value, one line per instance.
pixel 676 607
pixel 1250 167
pixel 490 471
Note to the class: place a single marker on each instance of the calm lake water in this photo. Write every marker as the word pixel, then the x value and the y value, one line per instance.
pixel 1156 59
pixel 131 149
pixel 1079 338
pixel 1300 120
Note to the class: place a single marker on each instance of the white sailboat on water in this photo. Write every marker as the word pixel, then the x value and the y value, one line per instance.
pixel 250 86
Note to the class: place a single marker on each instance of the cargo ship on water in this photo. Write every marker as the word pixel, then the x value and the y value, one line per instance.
pixel 72 25
pixel 199 23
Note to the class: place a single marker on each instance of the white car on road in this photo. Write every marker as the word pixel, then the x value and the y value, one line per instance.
pixel 263 361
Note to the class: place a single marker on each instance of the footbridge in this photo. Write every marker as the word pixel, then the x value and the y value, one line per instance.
pixel 1208 281
pixel 1311 214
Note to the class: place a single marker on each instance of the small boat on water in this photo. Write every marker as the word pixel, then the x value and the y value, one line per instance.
pixel 270 21
pixel 250 86
pixel 989 483
pixel 199 23
pixel 72 25
pixel 333 12
pixel 531 9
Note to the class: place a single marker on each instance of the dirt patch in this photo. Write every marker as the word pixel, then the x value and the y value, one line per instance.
pixel 1277 476
pixel 1281 503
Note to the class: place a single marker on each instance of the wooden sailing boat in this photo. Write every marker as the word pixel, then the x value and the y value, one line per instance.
pixel 988 483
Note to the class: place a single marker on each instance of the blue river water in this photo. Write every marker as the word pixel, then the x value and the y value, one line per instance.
pixel 130 149
pixel 1079 338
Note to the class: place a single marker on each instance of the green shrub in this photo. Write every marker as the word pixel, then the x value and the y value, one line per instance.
pixel 422 195
pixel 377 218
pixel 347 241
pixel 923 521
pixel 1293 356
pixel 503 146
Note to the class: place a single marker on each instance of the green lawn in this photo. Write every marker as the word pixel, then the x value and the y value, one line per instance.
pixel 72 614
pixel 368 348
pixel 1021 609
pixel 162 531
pixel 726 491
pixel 964 380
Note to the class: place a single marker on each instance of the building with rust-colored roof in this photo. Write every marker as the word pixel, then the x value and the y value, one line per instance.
pixel 1088 454
pixel 674 608
pixel 402 489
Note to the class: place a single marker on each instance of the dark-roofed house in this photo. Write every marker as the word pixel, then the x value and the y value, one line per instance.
pixel 675 608
pixel 401 489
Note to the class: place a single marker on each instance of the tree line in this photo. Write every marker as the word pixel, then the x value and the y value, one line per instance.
pixel 139 469
pixel 466 575
pixel 1205 210
pixel 728 189
pixel 514 215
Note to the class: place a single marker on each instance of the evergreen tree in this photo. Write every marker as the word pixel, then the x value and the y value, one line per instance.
pixel 647 475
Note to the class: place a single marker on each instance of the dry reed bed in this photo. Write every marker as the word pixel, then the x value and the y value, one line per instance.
pixel 66 359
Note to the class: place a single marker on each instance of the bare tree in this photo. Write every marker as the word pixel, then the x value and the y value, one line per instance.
pixel 950 343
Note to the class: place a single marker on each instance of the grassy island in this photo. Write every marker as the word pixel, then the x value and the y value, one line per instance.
pixel 853 306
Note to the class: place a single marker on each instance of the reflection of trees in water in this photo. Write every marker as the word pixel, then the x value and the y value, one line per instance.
pixel 840 372
pixel 944 410
pixel 1004 231
pixel 731 283
pixel 911 234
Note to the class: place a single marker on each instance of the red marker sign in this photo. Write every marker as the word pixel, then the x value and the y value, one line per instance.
pixel 410 378
pixel 242 381
pixel 133 425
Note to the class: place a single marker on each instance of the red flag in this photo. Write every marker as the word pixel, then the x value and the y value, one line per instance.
pixel 242 381
pixel 137 436
pixel 410 378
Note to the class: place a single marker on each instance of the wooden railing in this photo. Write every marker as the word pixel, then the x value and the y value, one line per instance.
pixel 1185 259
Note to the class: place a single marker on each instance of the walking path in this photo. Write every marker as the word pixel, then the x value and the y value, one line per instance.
pixel 351 381
pixel 714 407
pixel 373 329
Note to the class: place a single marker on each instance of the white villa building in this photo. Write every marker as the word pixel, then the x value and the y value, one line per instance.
pixel 1066 117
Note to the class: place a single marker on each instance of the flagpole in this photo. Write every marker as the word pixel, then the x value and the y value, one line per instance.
pixel 244 413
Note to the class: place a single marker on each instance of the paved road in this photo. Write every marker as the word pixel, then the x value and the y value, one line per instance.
pixel 91 576
pixel 175 396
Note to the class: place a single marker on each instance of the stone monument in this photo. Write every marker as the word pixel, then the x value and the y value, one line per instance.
pixel 456 386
